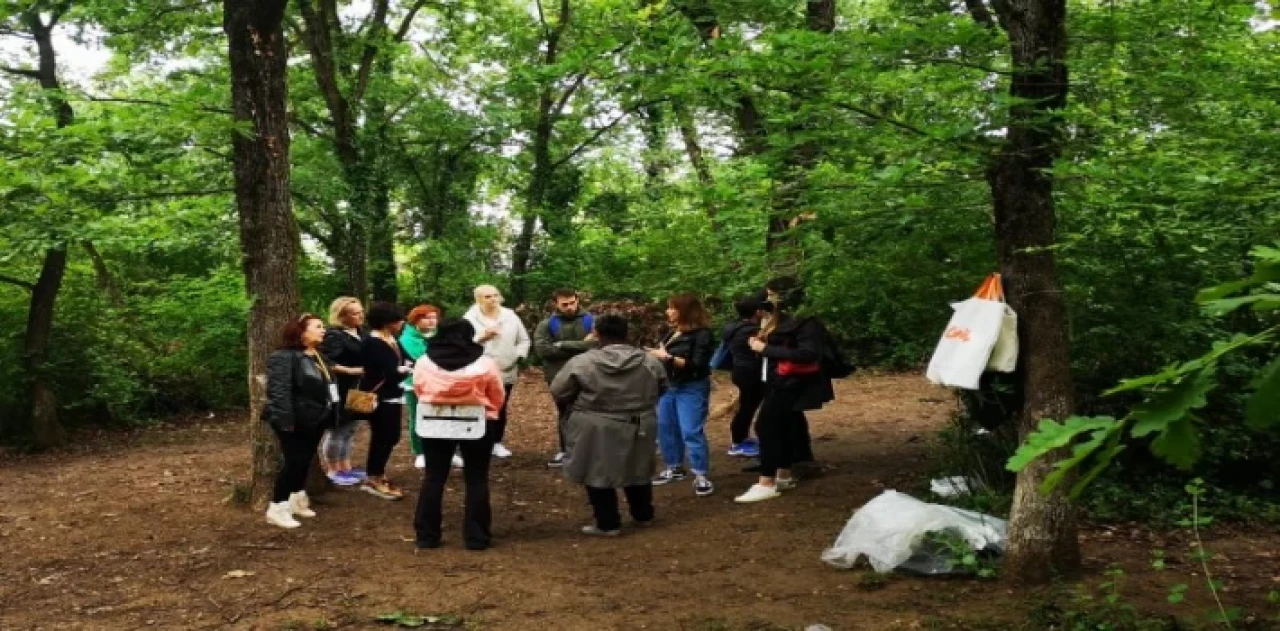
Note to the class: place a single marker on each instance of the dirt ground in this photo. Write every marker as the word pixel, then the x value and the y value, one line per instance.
pixel 131 531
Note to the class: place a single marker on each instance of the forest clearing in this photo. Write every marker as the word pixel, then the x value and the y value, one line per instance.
pixel 134 532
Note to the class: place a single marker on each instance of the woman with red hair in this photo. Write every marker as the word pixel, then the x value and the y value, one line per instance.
pixel 302 399
pixel 414 339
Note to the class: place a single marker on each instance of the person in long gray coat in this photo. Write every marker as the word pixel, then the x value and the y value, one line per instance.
pixel 612 393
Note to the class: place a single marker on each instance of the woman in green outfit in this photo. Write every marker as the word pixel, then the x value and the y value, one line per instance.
pixel 414 339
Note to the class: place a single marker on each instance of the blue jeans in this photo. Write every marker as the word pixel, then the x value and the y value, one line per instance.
pixel 682 420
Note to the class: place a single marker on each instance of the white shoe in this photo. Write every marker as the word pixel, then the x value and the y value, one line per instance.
pixel 784 484
pixel 758 493
pixel 278 514
pixel 501 451
pixel 420 462
pixel 457 461
pixel 300 505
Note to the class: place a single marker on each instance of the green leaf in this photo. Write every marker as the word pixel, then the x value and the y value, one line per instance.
pixel 1159 412
pixel 1051 435
pixel 1263 409
pixel 1179 444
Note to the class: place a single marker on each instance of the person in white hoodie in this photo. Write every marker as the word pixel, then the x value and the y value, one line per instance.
pixel 506 342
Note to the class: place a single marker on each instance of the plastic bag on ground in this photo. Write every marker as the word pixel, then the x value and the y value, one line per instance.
pixel 890 530
pixel 953 486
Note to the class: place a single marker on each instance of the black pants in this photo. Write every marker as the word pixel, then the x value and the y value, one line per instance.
pixel 498 429
pixel 475 473
pixel 562 417
pixel 384 433
pixel 604 503
pixel 781 428
pixel 750 395
pixel 298 447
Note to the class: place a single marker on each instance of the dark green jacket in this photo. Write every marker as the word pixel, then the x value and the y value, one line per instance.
pixel 555 351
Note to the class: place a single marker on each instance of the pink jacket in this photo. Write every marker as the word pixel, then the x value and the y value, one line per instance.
pixel 479 383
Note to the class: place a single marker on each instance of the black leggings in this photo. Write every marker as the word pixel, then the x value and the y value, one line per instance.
pixel 783 432
pixel 498 429
pixel 604 503
pixel 298 446
pixel 384 433
pixel 477 515
pixel 750 395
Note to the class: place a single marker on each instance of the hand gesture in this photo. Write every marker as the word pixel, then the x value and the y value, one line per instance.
pixel 756 344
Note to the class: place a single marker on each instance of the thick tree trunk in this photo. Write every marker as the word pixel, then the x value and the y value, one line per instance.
pixel 257 52
pixel 46 428
pixel 42 412
pixel 1043 541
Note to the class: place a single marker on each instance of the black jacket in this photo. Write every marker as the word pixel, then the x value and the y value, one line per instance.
pixel 343 349
pixel 297 391
pixel 799 340
pixel 746 363
pixel 382 368
pixel 696 348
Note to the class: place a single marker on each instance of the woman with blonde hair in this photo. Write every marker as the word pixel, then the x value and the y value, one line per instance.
pixel 685 351
pixel 344 350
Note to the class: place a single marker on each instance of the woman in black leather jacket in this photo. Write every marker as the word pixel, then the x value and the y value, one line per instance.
pixel 302 400
pixel 682 411
pixel 791 349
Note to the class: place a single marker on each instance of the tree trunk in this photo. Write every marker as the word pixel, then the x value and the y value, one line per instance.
pixel 539 180
pixel 42 413
pixel 382 251
pixel 268 233
pixel 692 146
pixel 46 428
pixel 1043 541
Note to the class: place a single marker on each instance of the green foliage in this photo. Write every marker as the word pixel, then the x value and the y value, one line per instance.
pixel 1172 396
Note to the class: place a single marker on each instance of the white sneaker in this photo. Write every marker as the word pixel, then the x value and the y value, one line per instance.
pixel 278 514
pixel 757 493
pixel 420 462
pixel 784 484
pixel 300 505
pixel 457 461
pixel 501 451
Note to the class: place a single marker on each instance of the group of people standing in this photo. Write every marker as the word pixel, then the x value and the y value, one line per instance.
pixel 616 402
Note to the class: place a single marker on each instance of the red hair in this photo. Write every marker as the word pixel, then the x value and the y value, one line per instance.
pixel 420 312
pixel 291 333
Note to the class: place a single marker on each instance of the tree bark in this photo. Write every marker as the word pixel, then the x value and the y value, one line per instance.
pixel 692 145
pixel 43 410
pixel 268 234
pixel 549 108
pixel 1043 540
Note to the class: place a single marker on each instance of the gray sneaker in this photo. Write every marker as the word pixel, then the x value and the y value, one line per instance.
pixel 669 475
pixel 596 532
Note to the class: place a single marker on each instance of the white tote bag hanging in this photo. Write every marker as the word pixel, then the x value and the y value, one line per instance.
pixel 967 343
pixel 1004 356
pixel 453 422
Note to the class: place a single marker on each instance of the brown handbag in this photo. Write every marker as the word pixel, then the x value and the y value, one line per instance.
pixel 362 401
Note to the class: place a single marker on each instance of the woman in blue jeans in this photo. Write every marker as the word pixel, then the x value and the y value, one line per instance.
pixel 685 351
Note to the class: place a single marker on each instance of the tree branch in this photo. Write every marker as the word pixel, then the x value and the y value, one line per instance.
pixel 17 281
pixel 165 195
pixel 379 17
pixel 600 131
pixel 978 10
pixel 109 99
pixel 407 23
pixel 857 110
pixel 22 72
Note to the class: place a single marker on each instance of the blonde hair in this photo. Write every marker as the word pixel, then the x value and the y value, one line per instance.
pixel 340 306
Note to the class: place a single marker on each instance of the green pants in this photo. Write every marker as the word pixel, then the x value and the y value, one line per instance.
pixel 411 404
